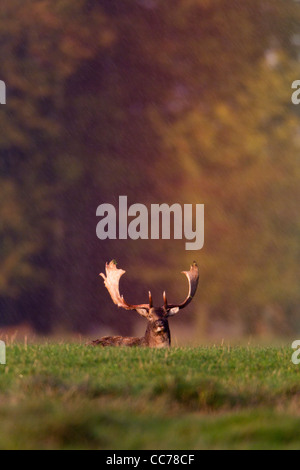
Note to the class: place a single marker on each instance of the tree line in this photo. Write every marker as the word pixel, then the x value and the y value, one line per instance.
pixel 164 101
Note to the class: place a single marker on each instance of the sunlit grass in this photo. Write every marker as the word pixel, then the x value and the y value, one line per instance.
pixel 73 396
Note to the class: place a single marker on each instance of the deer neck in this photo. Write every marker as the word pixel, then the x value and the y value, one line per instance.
pixel 157 339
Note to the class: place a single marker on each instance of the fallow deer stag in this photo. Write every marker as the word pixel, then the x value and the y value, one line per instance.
pixel 157 333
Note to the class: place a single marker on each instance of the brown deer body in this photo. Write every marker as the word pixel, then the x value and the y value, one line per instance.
pixel 157 333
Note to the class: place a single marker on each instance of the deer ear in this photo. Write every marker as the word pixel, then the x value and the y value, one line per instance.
pixel 172 311
pixel 142 311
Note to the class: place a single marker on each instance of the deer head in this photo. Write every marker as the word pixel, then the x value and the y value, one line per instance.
pixel 157 333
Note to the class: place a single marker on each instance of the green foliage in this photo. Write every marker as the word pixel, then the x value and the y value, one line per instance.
pixel 185 101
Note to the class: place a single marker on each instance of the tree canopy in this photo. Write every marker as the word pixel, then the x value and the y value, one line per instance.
pixel 163 101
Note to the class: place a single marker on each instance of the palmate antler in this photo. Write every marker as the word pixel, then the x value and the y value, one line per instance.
pixel 193 278
pixel 112 280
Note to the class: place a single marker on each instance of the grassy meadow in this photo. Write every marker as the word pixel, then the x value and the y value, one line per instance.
pixel 69 396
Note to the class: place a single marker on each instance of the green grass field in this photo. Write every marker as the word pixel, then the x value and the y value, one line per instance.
pixel 69 396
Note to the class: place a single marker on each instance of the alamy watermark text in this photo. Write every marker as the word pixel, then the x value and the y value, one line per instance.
pixel 188 222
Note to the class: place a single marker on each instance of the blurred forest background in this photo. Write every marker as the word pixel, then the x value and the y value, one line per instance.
pixel 169 101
